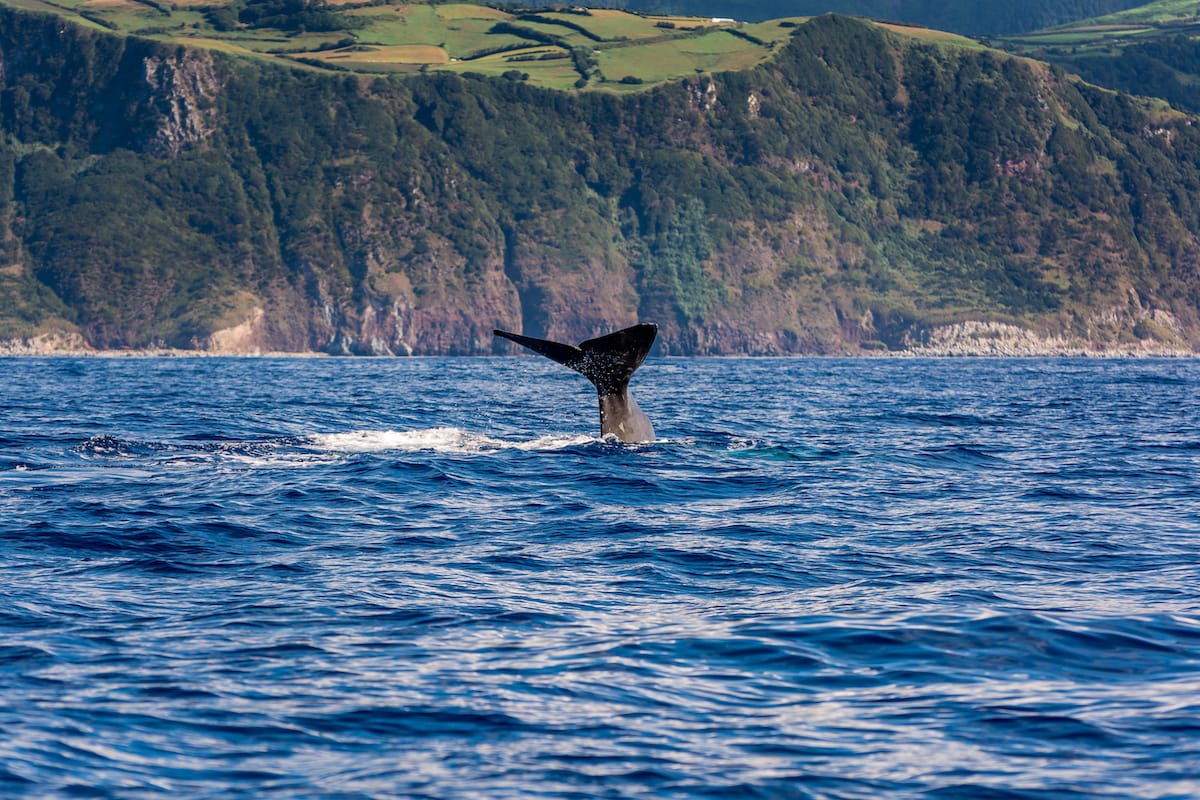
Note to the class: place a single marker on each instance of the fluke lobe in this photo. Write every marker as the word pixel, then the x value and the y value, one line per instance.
pixel 608 362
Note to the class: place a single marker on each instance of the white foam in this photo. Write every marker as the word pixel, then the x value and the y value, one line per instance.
pixel 281 460
pixel 441 440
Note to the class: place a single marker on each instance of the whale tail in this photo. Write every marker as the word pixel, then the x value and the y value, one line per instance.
pixel 607 361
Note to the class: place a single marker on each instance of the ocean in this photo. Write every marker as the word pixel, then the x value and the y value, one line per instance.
pixel 358 578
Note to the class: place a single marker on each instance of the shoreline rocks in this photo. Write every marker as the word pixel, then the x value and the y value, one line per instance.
pixel 959 348
pixel 974 338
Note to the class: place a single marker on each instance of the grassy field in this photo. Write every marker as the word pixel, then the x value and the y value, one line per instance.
pixel 600 49
pixel 1162 18
pixel 930 35
pixel 547 67
pixel 1161 12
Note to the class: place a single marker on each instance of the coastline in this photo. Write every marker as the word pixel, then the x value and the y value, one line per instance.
pixel 9 351
pixel 971 339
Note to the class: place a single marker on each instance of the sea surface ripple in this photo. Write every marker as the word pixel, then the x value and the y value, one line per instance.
pixel 428 578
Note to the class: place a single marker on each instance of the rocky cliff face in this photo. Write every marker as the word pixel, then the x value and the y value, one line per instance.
pixel 183 89
pixel 859 193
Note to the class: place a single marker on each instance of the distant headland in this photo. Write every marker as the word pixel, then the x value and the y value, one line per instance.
pixel 801 186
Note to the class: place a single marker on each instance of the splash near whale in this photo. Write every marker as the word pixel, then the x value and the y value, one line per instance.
pixel 608 362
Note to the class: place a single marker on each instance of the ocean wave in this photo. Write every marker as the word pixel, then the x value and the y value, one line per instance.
pixel 439 440
pixel 216 585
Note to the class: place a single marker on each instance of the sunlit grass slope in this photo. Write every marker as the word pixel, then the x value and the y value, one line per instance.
pixel 558 47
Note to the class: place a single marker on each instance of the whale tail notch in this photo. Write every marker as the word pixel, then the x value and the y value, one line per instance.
pixel 607 361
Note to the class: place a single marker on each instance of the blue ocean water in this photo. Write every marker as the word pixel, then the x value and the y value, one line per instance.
pixel 345 578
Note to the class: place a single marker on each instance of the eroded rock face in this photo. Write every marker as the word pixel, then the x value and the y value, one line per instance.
pixel 244 338
pixel 183 89
pixel 46 344
pixel 991 338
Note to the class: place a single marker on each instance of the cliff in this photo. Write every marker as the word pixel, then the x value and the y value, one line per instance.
pixel 857 193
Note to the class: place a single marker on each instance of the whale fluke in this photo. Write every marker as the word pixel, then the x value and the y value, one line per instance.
pixel 609 362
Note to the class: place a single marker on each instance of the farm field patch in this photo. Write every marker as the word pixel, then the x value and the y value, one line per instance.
pixel 564 48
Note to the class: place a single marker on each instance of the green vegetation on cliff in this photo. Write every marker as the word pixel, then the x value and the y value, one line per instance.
pixel 851 191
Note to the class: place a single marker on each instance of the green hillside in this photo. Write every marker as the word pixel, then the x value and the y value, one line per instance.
pixel 969 17
pixel 851 192
pixel 1152 50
